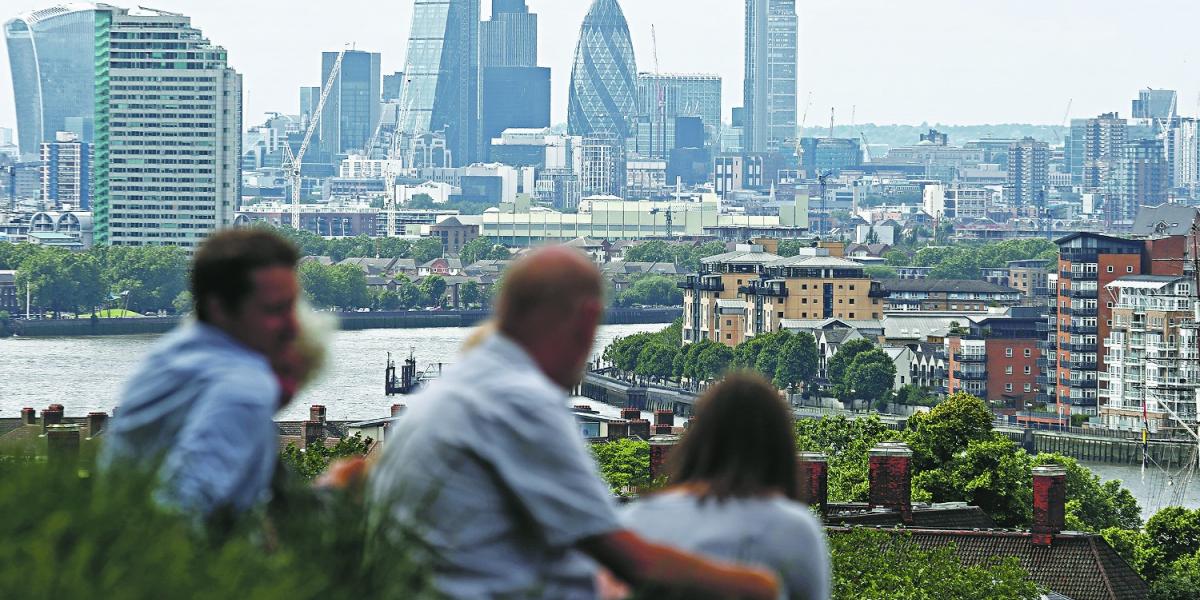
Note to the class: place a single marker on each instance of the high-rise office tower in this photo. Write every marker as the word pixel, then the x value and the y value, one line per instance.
pixel 310 98
pixel 1028 175
pixel 1138 178
pixel 603 98
pixel 772 74
pixel 168 131
pixel 664 98
pixel 1158 105
pixel 67 171
pixel 52 56
pixel 1185 160
pixel 516 92
pixel 352 109
pixel 392 86
pixel 441 91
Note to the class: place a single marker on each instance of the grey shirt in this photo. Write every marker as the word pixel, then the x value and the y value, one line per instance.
pixel 775 533
pixel 488 468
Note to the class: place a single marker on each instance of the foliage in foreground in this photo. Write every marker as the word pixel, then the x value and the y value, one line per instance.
pixel 1166 552
pixel 870 565
pixel 624 465
pixel 68 535
pixel 311 462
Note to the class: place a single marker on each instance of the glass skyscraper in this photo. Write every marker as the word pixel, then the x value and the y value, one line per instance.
pixel 353 108
pixel 772 71
pixel 52 56
pixel 441 91
pixel 603 99
pixel 516 92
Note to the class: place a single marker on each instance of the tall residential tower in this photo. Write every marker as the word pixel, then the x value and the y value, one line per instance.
pixel 772 74
pixel 168 131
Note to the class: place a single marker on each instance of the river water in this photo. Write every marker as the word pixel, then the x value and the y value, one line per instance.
pixel 85 374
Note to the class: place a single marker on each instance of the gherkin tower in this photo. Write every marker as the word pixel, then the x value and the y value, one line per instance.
pixel 604 78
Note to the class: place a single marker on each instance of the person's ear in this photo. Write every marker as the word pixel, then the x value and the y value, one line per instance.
pixel 218 313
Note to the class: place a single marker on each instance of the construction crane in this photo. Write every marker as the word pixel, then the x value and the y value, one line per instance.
pixel 866 146
pixel 1065 121
pixel 670 218
pixel 662 99
pixel 294 162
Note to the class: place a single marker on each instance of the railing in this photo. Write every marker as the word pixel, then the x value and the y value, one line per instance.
pixel 970 358
pixel 1073 347
pixel 1083 365
pixel 971 375
pixel 1082 312
pixel 1082 293
pixel 1081 329
pixel 1079 275
pixel 1082 384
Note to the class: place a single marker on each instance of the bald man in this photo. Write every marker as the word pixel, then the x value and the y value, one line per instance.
pixel 489 470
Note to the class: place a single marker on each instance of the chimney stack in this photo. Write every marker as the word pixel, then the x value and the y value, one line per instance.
pixel 631 414
pixel 62 445
pixel 660 450
pixel 316 412
pixel 664 430
pixel 639 428
pixel 313 432
pixel 617 430
pixel 891 478
pixel 1049 503
pixel 97 422
pixel 812 480
pixel 52 416
pixel 28 416
pixel 664 417
pixel 397 410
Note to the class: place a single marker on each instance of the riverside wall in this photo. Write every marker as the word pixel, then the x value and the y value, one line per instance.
pixel 348 322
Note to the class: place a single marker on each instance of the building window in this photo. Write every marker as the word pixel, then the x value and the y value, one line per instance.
pixel 1008 387
pixel 729 336
pixel 1028 353
pixel 1008 370
pixel 728 322
pixel 851 315
pixel 852 301
pixel 1008 353
pixel 780 314
pixel 1129 269
pixel 1028 387
pixel 1027 370
pixel 1110 268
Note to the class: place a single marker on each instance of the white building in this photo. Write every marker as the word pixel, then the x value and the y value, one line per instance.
pixel 439 192
pixel 67 172
pixel 168 132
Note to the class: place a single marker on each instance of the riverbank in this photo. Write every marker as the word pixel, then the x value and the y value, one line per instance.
pixel 355 321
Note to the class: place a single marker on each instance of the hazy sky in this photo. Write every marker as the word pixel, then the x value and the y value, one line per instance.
pixel 947 61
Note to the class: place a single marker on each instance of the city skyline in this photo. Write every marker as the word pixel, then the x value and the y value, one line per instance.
pixel 896 43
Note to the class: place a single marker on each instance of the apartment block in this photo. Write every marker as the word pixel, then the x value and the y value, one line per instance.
pixel 947 295
pixel 719 279
pixel 1152 358
pixel 997 359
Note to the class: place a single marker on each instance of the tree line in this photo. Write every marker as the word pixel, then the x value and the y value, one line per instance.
pixel 965 260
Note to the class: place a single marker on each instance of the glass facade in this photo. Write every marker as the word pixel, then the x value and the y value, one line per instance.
pixel 515 91
pixel 353 108
pixel 52 57
pixel 603 98
pixel 441 91
pixel 770 92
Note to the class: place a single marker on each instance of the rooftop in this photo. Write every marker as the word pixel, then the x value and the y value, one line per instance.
pixel 975 286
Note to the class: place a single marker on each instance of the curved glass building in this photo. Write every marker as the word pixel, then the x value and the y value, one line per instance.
pixel 52 54
pixel 604 79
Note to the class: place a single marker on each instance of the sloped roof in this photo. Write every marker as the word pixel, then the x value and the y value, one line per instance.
pixel 741 256
pixel 1165 219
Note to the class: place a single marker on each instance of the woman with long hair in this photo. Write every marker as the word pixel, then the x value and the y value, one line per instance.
pixel 732 484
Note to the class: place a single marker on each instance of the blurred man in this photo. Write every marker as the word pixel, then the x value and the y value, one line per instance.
pixel 489 469
pixel 200 407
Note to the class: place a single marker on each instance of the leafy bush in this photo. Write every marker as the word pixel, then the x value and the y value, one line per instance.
pixel 624 464
pixel 68 535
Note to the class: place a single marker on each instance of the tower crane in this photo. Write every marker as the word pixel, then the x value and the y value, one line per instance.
pixel 670 212
pixel 294 162
pixel 1066 120
pixel 661 97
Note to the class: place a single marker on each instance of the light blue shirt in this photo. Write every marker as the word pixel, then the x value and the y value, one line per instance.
pixel 489 469
pixel 774 533
pixel 202 404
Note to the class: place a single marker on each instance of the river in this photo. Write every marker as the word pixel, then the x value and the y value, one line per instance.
pixel 85 374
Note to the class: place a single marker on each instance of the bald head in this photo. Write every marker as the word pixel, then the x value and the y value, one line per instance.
pixel 551 304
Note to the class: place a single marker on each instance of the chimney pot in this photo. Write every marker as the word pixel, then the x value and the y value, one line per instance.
pixel 631 414
pixel 1049 503
pixel 52 416
pixel 664 429
pixel 28 416
pixel 664 417
pixel 583 408
pixel 316 412
pixel 397 410
pixel 617 431
pixel 660 450
pixel 891 478
pixel 812 480
pixel 62 444
pixel 97 422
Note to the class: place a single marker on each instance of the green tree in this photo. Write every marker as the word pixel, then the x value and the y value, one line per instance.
pixel 411 295
pixel 797 361
pixel 426 249
pixel 652 251
pixel 869 376
pixel 471 295
pixel 652 290
pixel 712 361
pixel 624 465
pixel 1180 582
pixel 62 281
pixel 870 565
pixel 770 356
pixel 434 288
pixel 846 443
pixel 656 360
pixel 936 436
pixel 1093 505
pixel 840 361
pixel 182 304
pixel 311 462
pixel 993 474
pixel 385 299
pixel 880 272
pixel 745 356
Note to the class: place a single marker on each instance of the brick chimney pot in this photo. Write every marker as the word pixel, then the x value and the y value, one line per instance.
pixel 891 478
pixel 1049 503
pixel 812 479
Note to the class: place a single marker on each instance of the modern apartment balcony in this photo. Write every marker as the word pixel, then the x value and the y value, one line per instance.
pixel 1047 363
pixel 1081 347
pixel 1170 382
pixel 1083 384
pixel 1044 327
pixel 1082 293
pixel 1082 365
pixel 1081 329
pixel 971 375
pixel 1079 275
pixel 1046 380
pixel 702 285
pixel 764 290
pixel 970 358
pixel 1082 312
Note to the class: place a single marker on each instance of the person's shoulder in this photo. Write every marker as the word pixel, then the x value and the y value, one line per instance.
pixel 791 517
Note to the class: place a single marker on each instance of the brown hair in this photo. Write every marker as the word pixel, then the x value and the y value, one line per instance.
pixel 224 264
pixel 740 442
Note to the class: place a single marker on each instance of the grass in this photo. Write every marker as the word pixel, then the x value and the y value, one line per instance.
pixel 112 313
